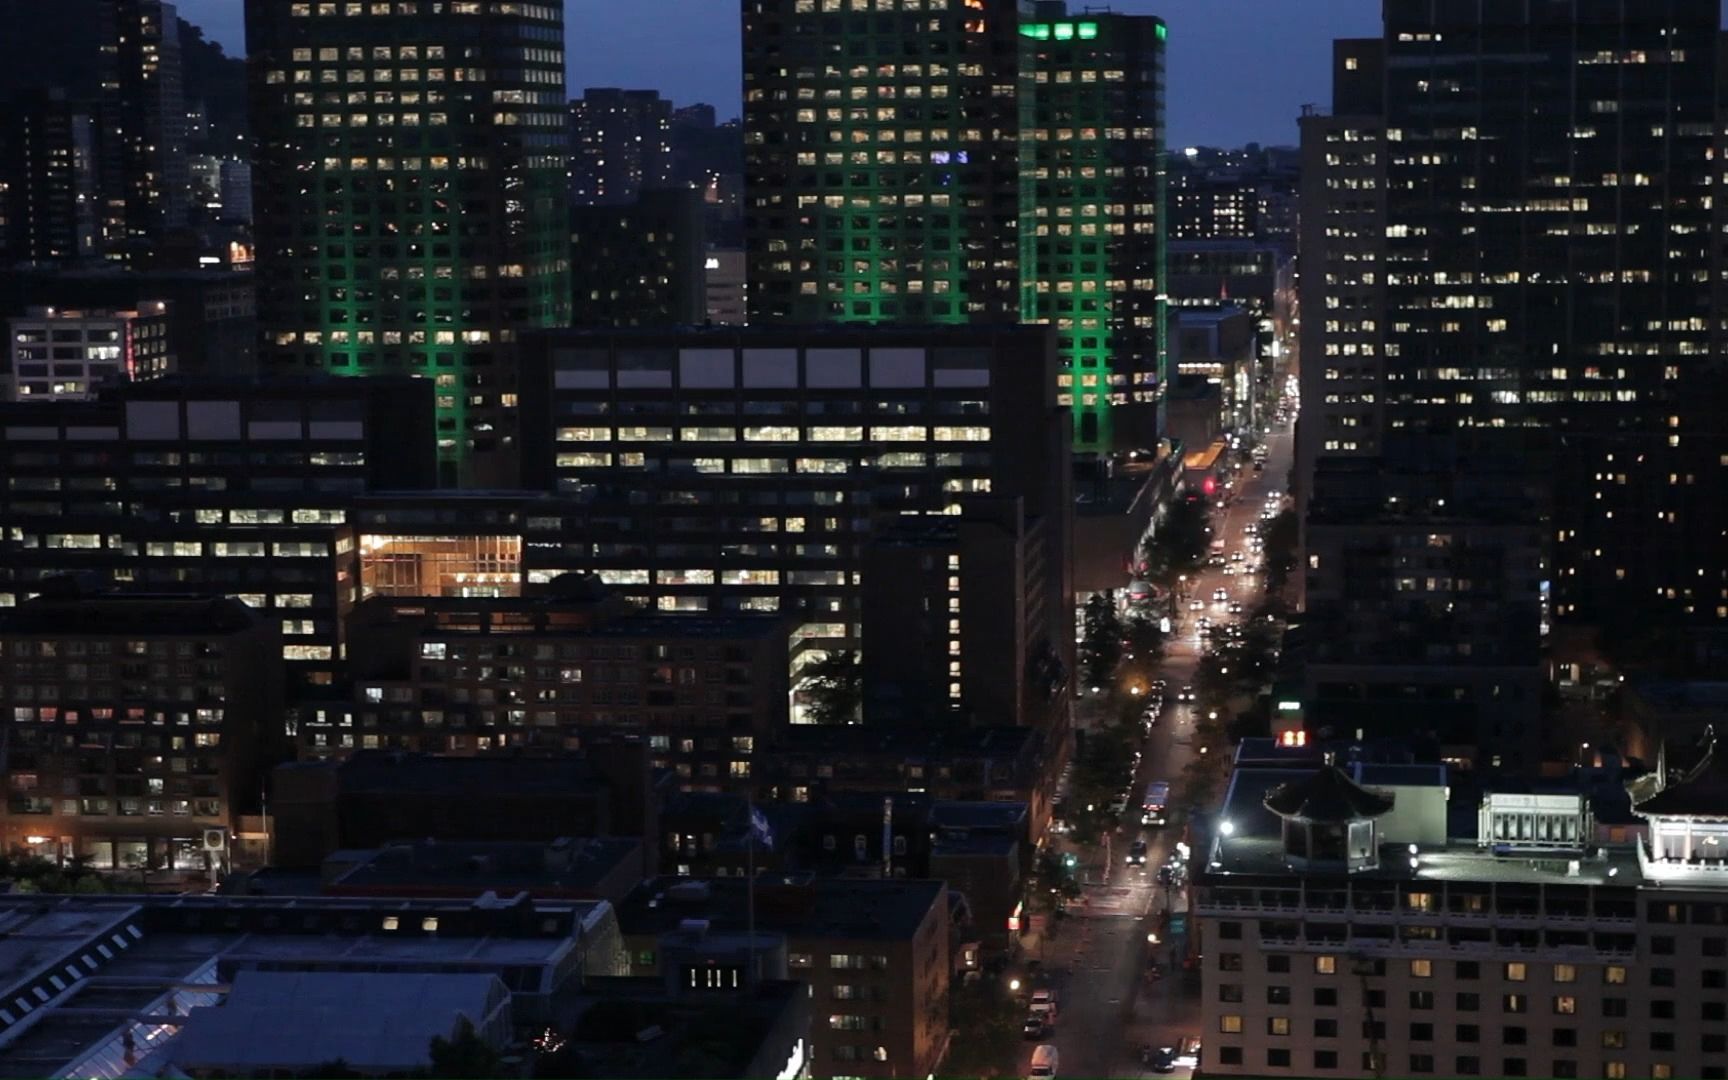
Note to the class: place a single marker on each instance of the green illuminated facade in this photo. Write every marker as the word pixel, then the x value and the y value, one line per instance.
pixel 948 161
pixel 882 149
pixel 410 199
pixel 1096 227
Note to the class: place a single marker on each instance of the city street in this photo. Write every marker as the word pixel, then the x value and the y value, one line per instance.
pixel 1098 961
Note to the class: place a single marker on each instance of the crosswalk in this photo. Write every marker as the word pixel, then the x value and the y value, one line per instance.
pixel 1115 902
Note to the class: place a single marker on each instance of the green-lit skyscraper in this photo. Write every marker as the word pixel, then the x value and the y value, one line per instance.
pixel 882 149
pixel 966 161
pixel 1097 220
pixel 410 199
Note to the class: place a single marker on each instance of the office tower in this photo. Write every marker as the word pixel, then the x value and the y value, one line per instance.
pixel 620 145
pixel 145 114
pixel 59 354
pixel 1516 403
pixel 748 469
pixel 231 486
pixel 410 201
pixel 1097 181
pixel 639 263
pixel 49 186
pixel 135 722
pixel 882 154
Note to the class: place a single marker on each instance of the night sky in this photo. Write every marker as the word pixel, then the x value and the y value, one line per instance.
pixel 1240 70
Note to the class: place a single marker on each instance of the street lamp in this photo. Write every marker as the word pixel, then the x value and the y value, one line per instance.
pixel 1014 985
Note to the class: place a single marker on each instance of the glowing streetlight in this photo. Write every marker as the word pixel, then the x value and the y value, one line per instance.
pixel 1014 984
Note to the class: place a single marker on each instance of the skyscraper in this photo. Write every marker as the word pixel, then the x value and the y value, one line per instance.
pixel 620 144
pixel 410 200
pixel 146 118
pixel 882 153
pixel 48 182
pixel 1522 412
pixel 1096 225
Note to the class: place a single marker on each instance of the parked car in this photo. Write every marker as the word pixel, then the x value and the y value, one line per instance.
pixel 1163 1060
pixel 1035 1027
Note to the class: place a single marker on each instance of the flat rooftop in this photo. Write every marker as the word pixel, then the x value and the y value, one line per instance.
pixel 385 771
pixel 1254 848
pixel 799 906
pixel 133 952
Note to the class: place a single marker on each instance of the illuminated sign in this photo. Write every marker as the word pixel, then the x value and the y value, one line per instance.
pixel 1065 31
pixel 711 264
pixel 1014 919
pixel 1289 706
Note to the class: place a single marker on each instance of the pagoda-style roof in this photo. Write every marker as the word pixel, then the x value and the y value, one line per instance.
pixel 1327 795
pixel 1703 793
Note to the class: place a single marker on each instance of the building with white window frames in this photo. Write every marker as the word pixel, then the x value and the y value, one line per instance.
pixel 1338 941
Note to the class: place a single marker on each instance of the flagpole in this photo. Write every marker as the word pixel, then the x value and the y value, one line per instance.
pixel 750 891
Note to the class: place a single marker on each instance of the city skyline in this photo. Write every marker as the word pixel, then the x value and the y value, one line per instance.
pixel 1280 54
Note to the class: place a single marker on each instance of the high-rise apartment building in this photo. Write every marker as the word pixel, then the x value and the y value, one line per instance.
pixel 410 200
pixel 639 263
pixel 1096 174
pixel 147 120
pixel 133 723
pixel 882 161
pixel 620 145
pixel 49 184
pixel 1509 317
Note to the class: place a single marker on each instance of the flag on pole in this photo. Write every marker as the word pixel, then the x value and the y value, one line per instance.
pixel 760 831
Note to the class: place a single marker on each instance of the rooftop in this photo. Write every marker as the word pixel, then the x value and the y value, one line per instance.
pixel 373 771
pixel 1703 793
pixel 561 867
pixel 914 743
pixel 133 953
pixel 1254 848
pixel 799 906
pixel 114 614
pixel 371 1020
pixel 629 1027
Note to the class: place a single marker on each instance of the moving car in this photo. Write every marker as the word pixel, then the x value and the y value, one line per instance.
pixel 1163 1060
pixel 1235 607
pixel 1220 595
pixel 1152 810
pixel 1185 694
pixel 1196 604
pixel 1137 853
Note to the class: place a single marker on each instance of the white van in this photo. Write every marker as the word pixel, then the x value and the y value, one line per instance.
pixel 1043 1063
